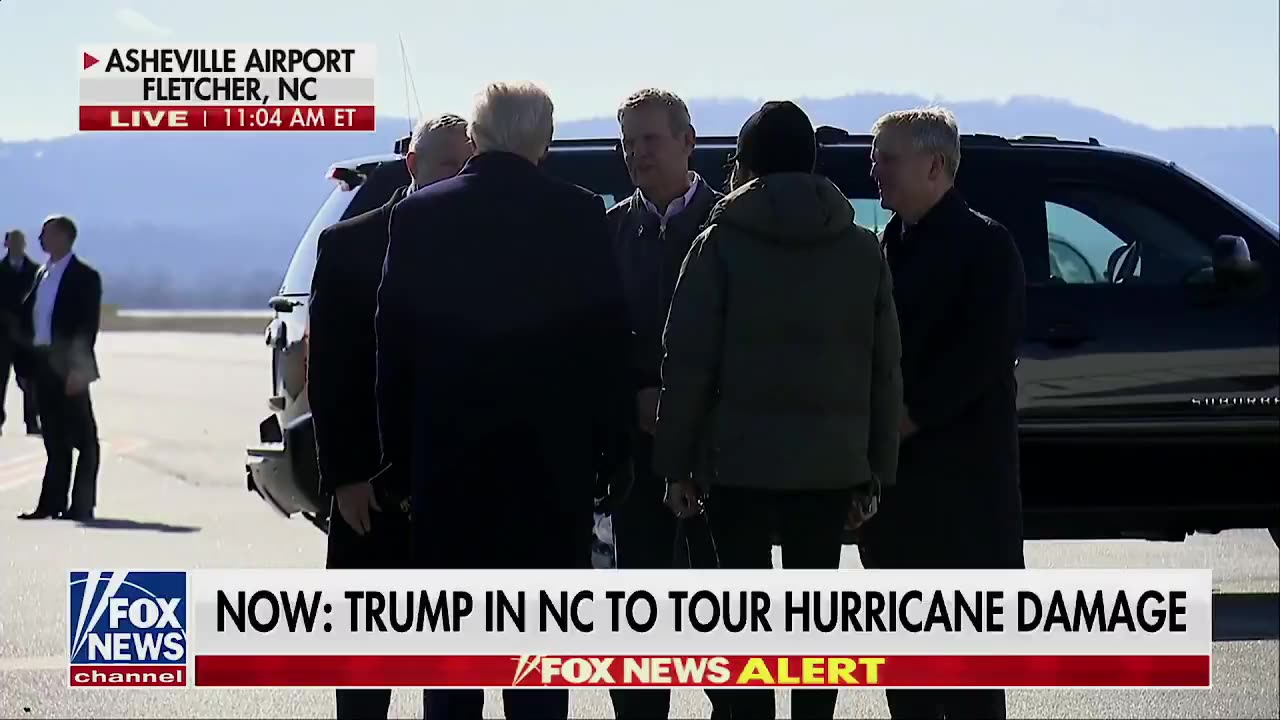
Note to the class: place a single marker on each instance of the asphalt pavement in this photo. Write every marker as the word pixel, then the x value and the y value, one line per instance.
pixel 175 412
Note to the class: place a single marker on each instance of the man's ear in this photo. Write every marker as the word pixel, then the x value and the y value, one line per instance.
pixel 410 159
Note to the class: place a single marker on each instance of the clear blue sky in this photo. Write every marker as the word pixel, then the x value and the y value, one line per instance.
pixel 1163 63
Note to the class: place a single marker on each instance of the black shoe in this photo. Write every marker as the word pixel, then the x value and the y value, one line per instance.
pixel 78 515
pixel 39 514
pixel 31 430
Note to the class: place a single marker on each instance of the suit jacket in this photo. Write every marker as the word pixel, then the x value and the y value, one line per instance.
pixel 14 286
pixel 341 361
pixel 77 313
pixel 502 337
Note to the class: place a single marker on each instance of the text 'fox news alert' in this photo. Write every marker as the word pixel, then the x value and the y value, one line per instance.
pixel 127 629
pixel 227 88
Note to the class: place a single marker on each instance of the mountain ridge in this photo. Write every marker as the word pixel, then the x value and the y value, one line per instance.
pixel 211 220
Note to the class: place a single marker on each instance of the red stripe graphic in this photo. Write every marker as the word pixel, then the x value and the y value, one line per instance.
pixel 439 671
pixel 254 118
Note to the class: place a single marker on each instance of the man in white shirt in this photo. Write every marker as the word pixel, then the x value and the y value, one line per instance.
pixel 17 275
pixel 60 322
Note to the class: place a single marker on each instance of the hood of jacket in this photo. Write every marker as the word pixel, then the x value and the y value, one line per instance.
pixel 787 208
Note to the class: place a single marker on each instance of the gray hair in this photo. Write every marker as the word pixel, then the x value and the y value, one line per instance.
pixel 513 117
pixel 932 130
pixel 677 111
pixel 426 130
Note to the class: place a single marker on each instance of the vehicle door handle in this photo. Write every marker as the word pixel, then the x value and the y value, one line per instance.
pixel 1065 335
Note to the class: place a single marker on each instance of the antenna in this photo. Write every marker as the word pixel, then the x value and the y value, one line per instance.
pixel 409 83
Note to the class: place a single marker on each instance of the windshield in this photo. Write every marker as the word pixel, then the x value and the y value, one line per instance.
pixel 297 280
pixel 1240 207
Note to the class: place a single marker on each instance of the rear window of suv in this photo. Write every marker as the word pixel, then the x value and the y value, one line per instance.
pixel 297 279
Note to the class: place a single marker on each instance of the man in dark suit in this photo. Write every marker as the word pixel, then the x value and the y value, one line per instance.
pixel 17 275
pixel 60 328
pixel 502 335
pixel 341 366
pixel 959 288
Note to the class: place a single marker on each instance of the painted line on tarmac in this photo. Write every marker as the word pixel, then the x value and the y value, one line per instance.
pixel 14 664
pixel 29 467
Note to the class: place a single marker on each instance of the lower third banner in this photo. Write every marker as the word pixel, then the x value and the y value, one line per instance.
pixel 480 671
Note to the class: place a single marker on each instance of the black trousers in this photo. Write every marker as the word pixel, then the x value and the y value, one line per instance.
pixel 647 536
pixel 67 424
pixel 809 526
pixel 385 547
pixel 924 529
pixel 30 411
pixel 478 517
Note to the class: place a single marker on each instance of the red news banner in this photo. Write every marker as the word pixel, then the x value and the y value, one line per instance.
pixel 474 629
pixel 227 88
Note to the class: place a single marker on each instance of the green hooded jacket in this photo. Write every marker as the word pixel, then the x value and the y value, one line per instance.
pixel 782 352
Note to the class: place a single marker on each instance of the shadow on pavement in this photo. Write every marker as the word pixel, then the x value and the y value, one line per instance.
pixel 123 524
pixel 1246 616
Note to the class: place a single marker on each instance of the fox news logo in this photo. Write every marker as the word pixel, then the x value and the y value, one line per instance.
pixel 128 629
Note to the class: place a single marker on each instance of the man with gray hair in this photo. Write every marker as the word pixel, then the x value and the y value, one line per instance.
pixel 502 364
pixel 363 532
pixel 959 288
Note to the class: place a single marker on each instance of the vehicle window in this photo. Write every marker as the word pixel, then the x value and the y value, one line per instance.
pixel 1099 236
pixel 297 279
pixel 868 213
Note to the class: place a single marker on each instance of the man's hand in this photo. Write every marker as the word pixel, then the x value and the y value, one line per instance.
pixel 354 502
pixel 861 510
pixel 907 427
pixel 683 499
pixel 77 383
pixel 647 409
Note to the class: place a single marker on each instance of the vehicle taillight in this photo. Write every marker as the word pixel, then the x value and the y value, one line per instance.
pixel 346 177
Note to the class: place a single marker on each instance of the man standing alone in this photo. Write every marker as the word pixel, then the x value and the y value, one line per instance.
pixel 959 289
pixel 60 318
pixel 17 275
pixel 652 231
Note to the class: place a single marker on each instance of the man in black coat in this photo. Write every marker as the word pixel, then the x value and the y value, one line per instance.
pixel 341 367
pixel 17 275
pixel 959 289
pixel 60 321
pixel 502 337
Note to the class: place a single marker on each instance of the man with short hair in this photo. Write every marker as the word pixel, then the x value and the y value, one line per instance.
pixel 959 289
pixel 341 365
pixel 17 275
pixel 60 320
pixel 502 360
pixel 652 231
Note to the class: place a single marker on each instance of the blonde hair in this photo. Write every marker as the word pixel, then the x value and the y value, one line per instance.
pixel 933 130
pixel 513 117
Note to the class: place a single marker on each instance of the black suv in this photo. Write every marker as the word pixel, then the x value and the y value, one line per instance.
pixel 1148 341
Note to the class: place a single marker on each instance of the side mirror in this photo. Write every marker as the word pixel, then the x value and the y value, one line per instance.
pixel 1233 273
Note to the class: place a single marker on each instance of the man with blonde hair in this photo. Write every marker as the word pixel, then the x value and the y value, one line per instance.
pixel 502 364
pixel 959 288
pixel 364 533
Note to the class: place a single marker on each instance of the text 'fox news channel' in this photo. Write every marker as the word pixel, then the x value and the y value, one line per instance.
pixel 231 87
pixel 768 628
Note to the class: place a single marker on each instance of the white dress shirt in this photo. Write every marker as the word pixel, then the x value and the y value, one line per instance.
pixel 46 297
pixel 676 205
